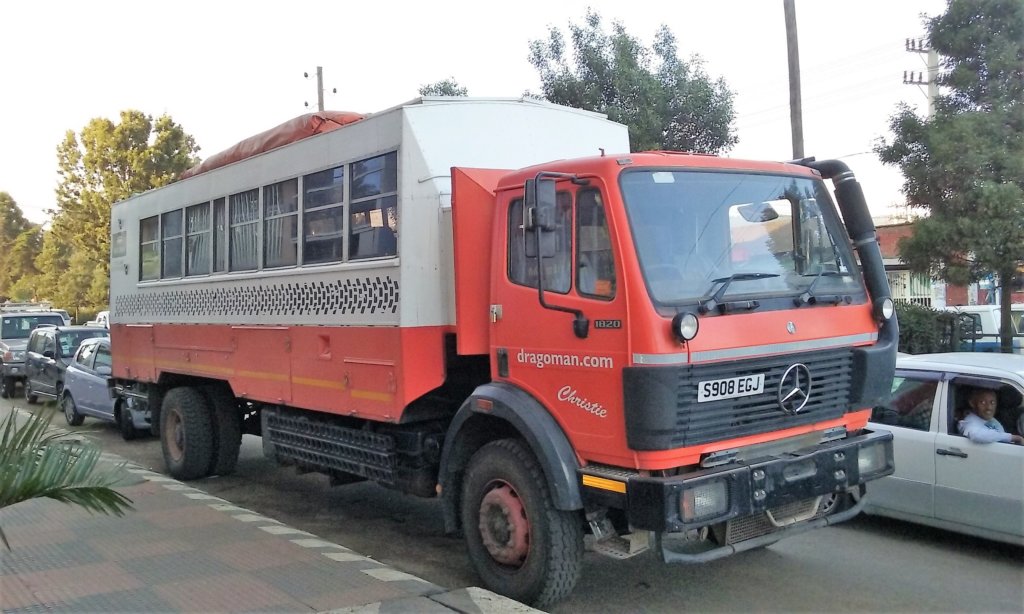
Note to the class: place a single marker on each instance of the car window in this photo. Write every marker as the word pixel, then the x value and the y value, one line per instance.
pixel 909 405
pixel 103 357
pixel 86 355
pixel 20 327
pixel 35 343
pixel 70 340
pixel 49 345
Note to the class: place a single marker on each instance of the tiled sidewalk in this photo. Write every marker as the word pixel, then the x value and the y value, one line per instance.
pixel 183 550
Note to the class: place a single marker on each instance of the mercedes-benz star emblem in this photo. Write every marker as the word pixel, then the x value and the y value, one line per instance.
pixel 795 388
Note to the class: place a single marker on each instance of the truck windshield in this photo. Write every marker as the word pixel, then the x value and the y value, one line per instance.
pixel 774 236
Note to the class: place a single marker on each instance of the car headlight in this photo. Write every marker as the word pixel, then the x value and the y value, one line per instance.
pixel 18 356
pixel 871 459
pixel 705 501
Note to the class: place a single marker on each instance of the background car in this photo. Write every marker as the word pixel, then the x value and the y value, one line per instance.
pixel 86 394
pixel 50 349
pixel 15 328
pixel 943 479
pixel 102 319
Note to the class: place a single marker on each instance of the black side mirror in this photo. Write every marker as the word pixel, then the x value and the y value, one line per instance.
pixel 540 216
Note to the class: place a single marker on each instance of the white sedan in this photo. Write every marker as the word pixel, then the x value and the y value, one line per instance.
pixel 943 479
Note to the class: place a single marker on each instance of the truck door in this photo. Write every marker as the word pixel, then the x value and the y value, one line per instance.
pixel 537 347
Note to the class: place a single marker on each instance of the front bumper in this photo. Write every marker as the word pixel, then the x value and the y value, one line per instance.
pixel 758 487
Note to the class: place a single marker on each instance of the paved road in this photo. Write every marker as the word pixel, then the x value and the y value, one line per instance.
pixel 868 564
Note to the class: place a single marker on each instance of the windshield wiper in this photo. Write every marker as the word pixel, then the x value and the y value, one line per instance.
pixel 807 297
pixel 714 302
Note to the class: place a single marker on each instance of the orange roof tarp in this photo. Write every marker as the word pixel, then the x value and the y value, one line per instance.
pixel 290 131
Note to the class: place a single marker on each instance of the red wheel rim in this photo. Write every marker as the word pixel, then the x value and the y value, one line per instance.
pixel 504 526
pixel 174 434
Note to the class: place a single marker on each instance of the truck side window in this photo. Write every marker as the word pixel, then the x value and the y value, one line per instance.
pixel 373 220
pixel 522 270
pixel 595 263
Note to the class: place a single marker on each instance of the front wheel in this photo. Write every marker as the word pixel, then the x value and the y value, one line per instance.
pixel 186 433
pixel 124 422
pixel 30 397
pixel 520 545
pixel 71 412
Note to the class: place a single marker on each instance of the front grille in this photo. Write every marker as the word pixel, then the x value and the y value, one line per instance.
pixel 756 525
pixel 662 410
pixel 717 420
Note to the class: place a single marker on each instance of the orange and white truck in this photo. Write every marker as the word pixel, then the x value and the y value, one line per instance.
pixel 493 302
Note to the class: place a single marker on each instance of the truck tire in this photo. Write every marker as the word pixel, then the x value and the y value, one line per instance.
pixel 186 433
pixel 7 387
pixel 519 544
pixel 227 429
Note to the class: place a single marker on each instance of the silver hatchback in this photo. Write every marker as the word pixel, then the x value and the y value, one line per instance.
pixel 86 392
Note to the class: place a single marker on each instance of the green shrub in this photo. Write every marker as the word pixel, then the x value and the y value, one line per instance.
pixel 925 330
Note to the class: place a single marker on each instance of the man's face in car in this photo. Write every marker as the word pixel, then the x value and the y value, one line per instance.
pixel 984 404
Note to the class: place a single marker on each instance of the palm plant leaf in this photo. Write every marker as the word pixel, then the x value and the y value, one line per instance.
pixel 38 462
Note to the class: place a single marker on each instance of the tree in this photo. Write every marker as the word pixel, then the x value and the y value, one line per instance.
pixel 446 87
pixel 964 165
pixel 666 102
pixel 20 243
pixel 36 462
pixel 104 164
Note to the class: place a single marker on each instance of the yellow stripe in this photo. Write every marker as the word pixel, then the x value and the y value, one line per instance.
pixel 302 381
pixel 371 396
pixel 184 365
pixel 277 377
pixel 318 383
pixel 604 484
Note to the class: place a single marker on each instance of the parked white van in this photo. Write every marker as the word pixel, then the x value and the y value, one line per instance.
pixel 987 318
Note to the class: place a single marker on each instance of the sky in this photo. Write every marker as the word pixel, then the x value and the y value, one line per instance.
pixel 226 70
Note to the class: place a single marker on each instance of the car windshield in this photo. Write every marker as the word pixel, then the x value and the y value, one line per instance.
pixel 70 340
pixel 769 235
pixel 20 327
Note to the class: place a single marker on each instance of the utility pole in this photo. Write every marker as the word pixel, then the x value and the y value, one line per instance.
pixel 917 45
pixel 795 112
pixel 319 88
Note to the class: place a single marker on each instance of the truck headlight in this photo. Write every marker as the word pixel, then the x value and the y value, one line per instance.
pixel 871 459
pixel 705 501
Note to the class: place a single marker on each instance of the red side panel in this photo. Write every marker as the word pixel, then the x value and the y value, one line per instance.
pixel 371 372
pixel 292 130
pixel 472 219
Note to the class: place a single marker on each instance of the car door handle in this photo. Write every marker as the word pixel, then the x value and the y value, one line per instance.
pixel 953 452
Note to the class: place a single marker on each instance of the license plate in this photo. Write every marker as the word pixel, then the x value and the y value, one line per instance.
pixel 730 388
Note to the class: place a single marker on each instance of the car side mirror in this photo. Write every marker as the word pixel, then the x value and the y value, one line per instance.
pixel 48 354
pixel 103 370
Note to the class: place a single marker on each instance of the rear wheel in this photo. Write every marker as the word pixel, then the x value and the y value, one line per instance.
pixel 30 397
pixel 227 429
pixel 71 412
pixel 186 434
pixel 520 545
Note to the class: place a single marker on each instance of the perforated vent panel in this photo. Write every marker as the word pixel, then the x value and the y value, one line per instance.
pixel 372 295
